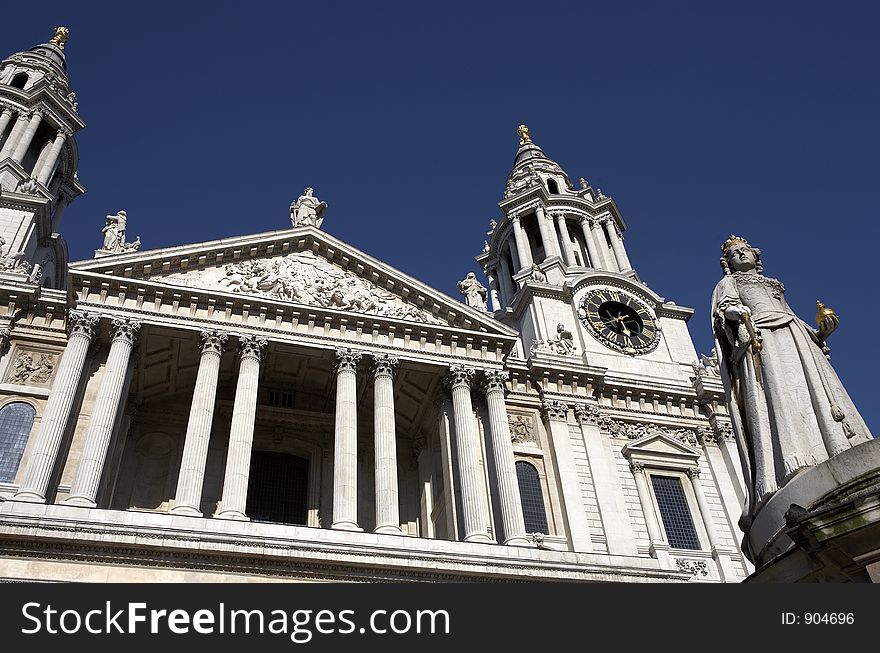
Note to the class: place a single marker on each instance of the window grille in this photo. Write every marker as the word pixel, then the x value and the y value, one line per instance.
pixel 677 522
pixel 532 498
pixel 16 420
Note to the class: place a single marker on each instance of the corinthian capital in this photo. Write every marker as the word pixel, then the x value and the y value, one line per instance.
pixel 555 410
pixel 347 359
pixel 125 329
pixel 385 364
pixel 586 413
pixel 495 381
pixel 251 347
pixel 81 323
pixel 459 376
pixel 213 341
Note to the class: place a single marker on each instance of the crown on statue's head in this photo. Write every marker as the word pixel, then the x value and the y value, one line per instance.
pixel 733 241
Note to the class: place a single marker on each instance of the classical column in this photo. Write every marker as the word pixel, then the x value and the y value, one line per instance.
pixel 345 442
pixel 426 495
pixel 494 302
pixel 587 228
pixel 617 245
pixel 241 432
pixel 507 290
pixel 475 512
pixel 27 136
pixel 658 546
pixel 548 233
pixel 609 493
pixel 81 328
pixel 601 245
pixel 556 414
pixel 45 171
pixel 5 118
pixel 385 435
pixel 188 497
pixel 20 125
pixel 567 247
pixel 505 468
pixel 84 488
pixel 524 254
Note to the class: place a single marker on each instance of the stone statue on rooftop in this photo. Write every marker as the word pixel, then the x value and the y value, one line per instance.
pixel 307 210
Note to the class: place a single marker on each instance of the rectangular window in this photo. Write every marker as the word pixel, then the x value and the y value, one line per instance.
pixel 677 522
pixel 280 399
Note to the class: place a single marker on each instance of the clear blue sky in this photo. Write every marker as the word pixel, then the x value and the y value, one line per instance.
pixel 207 119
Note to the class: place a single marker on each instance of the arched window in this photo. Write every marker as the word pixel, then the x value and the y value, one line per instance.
pixel 19 80
pixel 532 498
pixel 553 187
pixel 16 420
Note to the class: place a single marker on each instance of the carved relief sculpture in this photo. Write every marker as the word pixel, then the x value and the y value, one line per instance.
pixel 32 368
pixel 522 429
pixel 562 343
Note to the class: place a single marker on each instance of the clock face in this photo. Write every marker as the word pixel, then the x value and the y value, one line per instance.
pixel 619 321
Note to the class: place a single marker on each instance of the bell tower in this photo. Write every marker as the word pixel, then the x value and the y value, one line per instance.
pixel 38 162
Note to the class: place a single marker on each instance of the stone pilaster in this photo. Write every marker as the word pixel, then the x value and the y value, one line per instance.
pixel 188 498
pixel 81 327
pixel 505 468
pixel 84 488
pixel 385 435
pixel 659 547
pixel 345 442
pixel 475 512
pixel 241 433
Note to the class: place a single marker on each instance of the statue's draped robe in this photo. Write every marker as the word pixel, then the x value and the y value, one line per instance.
pixel 783 416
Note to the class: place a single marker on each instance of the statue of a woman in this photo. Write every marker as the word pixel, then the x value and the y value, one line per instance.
pixel 788 408
pixel 473 291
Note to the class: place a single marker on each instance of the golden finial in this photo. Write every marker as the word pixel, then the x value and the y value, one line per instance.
pixel 733 240
pixel 60 38
pixel 523 131
pixel 823 312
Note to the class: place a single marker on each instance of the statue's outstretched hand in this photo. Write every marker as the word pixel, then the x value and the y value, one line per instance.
pixel 828 325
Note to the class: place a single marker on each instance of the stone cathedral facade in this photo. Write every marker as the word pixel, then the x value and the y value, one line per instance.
pixel 283 406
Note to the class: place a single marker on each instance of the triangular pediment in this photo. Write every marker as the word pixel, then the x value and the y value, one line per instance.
pixel 660 444
pixel 302 266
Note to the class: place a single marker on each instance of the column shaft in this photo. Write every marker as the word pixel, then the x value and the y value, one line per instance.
pixel 44 172
pixel 507 290
pixel 494 302
pixel 567 247
pixel 602 245
pixel 188 497
pixel 41 461
pixel 548 233
pixel 5 119
pixel 524 254
pixel 19 126
pixel 241 434
pixel 385 435
pixel 505 467
pixel 345 442
pixel 617 245
pixel 595 260
pixel 84 488
pixel 475 512
pixel 659 546
pixel 27 137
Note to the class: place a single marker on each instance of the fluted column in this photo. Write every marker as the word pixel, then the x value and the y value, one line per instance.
pixel 345 442
pixel 84 489
pixel 44 172
pixel 27 136
pixel 601 244
pixel 385 435
pixel 81 328
pixel 188 497
pixel 426 496
pixel 586 226
pixel 475 512
pixel 556 415
pixel 494 302
pixel 505 467
pixel 658 546
pixel 20 125
pixel 5 118
pixel 617 245
pixel 567 247
pixel 548 233
pixel 507 289
pixel 524 254
pixel 241 432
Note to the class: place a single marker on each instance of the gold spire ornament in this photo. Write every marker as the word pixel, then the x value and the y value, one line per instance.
pixel 523 131
pixel 732 241
pixel 60 38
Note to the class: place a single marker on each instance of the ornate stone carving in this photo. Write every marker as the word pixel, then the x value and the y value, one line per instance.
pixel 587 413
pixel 562 343
pixel 522 429
pixel 537 274
pixel 636 468
pixel 82 323
pixel 12 262
pixel 555 410
pixel 307 210
pixel 459 375
pixel 114 235
pixel 707 365
pixel 583 183
pixel 304 278
pixel 693 473
pixel 347 359
pixel 618 429
pixel 474 292
pixel 705 435
pixel 495 381
pixel 385 364
pixel 125 329
pixel 4 338
pixel 251 346
pixel 213 341
pixel 32 368
pixel 28 186
pixel 693 567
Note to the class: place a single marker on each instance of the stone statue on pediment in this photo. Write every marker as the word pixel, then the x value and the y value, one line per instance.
pixel 307 210
pixel 114 235
pixel 474 292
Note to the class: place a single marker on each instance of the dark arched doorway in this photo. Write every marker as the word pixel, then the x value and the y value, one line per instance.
pixel 278 488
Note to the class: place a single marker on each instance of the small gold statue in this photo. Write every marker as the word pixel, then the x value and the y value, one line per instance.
pixel 61 36
pixel 523 134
